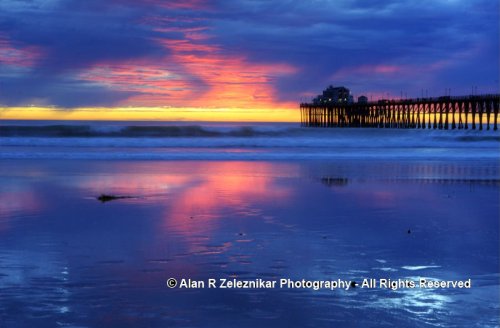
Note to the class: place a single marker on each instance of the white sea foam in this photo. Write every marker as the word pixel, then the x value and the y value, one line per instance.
pixel 419 267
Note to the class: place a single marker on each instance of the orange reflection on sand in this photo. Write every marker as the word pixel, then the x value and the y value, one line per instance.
pixel 229 192
pixel 197 196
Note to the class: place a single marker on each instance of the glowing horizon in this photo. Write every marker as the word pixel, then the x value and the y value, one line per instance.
pixel 152 114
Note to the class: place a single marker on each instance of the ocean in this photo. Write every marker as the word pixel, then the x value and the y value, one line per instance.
pixel 351 221
pixel 236 141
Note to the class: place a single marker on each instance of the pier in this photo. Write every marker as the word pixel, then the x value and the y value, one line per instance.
pixel 447 112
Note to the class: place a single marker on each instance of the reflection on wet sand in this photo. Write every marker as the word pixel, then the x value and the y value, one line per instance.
pixel 334 181
pixel 83 263
pixel 196 208
pixel 17 201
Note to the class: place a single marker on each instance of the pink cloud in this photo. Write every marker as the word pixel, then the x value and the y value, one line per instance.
pixel 15 55
pixel 156 85
pixel 169 4
pixel 401 70
pixel 184 4
pixel 371 70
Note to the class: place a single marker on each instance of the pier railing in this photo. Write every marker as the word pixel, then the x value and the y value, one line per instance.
pixel 420 113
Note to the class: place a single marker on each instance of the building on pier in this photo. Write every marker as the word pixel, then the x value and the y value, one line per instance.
pixel 362 100
pixel 334 95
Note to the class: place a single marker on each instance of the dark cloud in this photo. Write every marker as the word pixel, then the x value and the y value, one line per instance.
pixel 323 37
pixel 74 40
pixel 46 91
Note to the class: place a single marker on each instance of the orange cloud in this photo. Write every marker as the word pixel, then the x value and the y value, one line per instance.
pixel 195 74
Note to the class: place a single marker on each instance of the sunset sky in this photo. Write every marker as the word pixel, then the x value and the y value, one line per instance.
pixel 235 59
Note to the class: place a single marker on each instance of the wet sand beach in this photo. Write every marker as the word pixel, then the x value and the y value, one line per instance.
pixel 67 259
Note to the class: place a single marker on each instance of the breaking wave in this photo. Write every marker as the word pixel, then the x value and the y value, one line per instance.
pixel 265 141
pixel 78 131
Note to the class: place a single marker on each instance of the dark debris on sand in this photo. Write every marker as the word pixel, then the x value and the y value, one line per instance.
pixel 107 198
